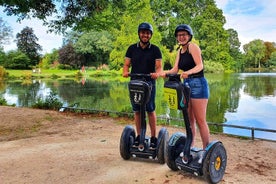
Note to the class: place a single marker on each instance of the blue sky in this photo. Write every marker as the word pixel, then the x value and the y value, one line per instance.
pixel 252 19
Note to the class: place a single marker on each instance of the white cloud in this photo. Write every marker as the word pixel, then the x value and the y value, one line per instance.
pixel 252 19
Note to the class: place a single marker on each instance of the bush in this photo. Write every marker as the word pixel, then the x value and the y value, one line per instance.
pixel 213 67
pixel 3 72
pixel 3 101
pixel 51 102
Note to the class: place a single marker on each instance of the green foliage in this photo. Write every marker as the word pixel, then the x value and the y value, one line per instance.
pixel 65 67
pixel 213 67
pixel 51 102
pixel 95 46
pixel 272 60
pixel 49 60
pixel 3 72
pixel 134 15
pixel 74 13
pixel 254 52
pixel 3 101
pixel 96 24
pixel 54 76
pixel 17 60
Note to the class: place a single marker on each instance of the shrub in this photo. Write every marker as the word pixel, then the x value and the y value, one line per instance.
pixel 3 72
pixel 51 102
pixel 3 101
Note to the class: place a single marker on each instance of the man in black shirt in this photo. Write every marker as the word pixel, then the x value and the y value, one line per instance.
pixel 144 58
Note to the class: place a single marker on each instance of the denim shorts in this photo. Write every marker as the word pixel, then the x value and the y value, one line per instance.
pixel 199 87
pixel 150 106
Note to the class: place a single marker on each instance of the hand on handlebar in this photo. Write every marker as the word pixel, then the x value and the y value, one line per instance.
pixel 126 74
pixel 184 75
pixel 163 74
pixel 154 75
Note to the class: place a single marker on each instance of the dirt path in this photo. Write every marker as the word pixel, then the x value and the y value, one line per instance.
pixel 38 146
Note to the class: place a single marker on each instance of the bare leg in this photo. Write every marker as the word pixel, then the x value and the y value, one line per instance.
pixel 192 123
pixel 199 107
pixel 152 123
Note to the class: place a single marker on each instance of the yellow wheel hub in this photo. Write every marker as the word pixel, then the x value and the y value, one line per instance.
pixel 217 163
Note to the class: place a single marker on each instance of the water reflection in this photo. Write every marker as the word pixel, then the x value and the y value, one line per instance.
pixel 238 99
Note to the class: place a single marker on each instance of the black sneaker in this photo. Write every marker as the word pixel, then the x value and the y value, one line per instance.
pixel 153 142
pixel 136 141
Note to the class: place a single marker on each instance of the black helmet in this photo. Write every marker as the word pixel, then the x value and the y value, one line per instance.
pixel 145 26
pixel 184 27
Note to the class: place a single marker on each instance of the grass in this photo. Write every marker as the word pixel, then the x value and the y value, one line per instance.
pixel 58 73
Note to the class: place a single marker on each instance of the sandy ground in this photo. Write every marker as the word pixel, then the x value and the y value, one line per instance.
pixel 38 146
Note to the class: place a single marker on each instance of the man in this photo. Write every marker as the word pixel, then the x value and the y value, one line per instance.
pixel 144 58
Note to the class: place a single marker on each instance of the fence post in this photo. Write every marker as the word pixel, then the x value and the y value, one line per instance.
pixel 252 133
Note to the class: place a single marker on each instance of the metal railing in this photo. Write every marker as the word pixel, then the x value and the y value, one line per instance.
pixel 168 119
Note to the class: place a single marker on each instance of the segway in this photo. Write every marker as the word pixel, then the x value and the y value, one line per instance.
pixel 140 91
pixel 210 162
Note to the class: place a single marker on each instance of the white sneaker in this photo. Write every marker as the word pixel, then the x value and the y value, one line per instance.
pixel 194 154
pixel 201 155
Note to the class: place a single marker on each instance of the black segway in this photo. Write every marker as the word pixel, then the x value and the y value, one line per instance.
pixel 210 162
pixel 140 91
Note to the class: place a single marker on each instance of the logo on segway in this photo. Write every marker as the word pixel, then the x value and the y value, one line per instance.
pixel 137 97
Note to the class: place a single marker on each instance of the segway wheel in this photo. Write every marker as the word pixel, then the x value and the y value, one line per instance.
pixel 126 141
pixel 173 149
pixel 214 164
pixel 163 136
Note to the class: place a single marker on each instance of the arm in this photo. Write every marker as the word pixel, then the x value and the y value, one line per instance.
pixel 126 67
pixel 158 69
pixel 174 70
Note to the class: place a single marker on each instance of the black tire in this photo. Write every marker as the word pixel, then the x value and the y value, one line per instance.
pixel 215 162
pixel 126 141
pixel 174 148
pixel 163 136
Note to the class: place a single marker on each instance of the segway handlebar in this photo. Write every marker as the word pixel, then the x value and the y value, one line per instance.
pixel 138 75
pixel 173 77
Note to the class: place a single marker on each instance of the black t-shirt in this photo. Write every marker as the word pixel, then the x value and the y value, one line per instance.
pixel 143 60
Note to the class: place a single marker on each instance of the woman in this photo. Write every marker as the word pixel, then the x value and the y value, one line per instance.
pixel 189 60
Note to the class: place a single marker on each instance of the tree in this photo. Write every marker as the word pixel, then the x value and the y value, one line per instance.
pixel 69 57
pixel 49 59
pixel 26 43
pixel 234 42
pixel 95 46
pixel 272 60
pixel 213 38
pixel 270 47
pixel 128 33
pixel 5 32
pixel 234 50
pixel 254 52
pixel 17 60
pixel 68 13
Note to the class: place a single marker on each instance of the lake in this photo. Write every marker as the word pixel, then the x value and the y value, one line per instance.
pixel 243 99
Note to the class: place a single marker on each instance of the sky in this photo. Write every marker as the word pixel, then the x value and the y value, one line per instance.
pixel 252 19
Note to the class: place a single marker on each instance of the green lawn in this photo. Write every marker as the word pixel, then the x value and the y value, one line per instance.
pixel 58 73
